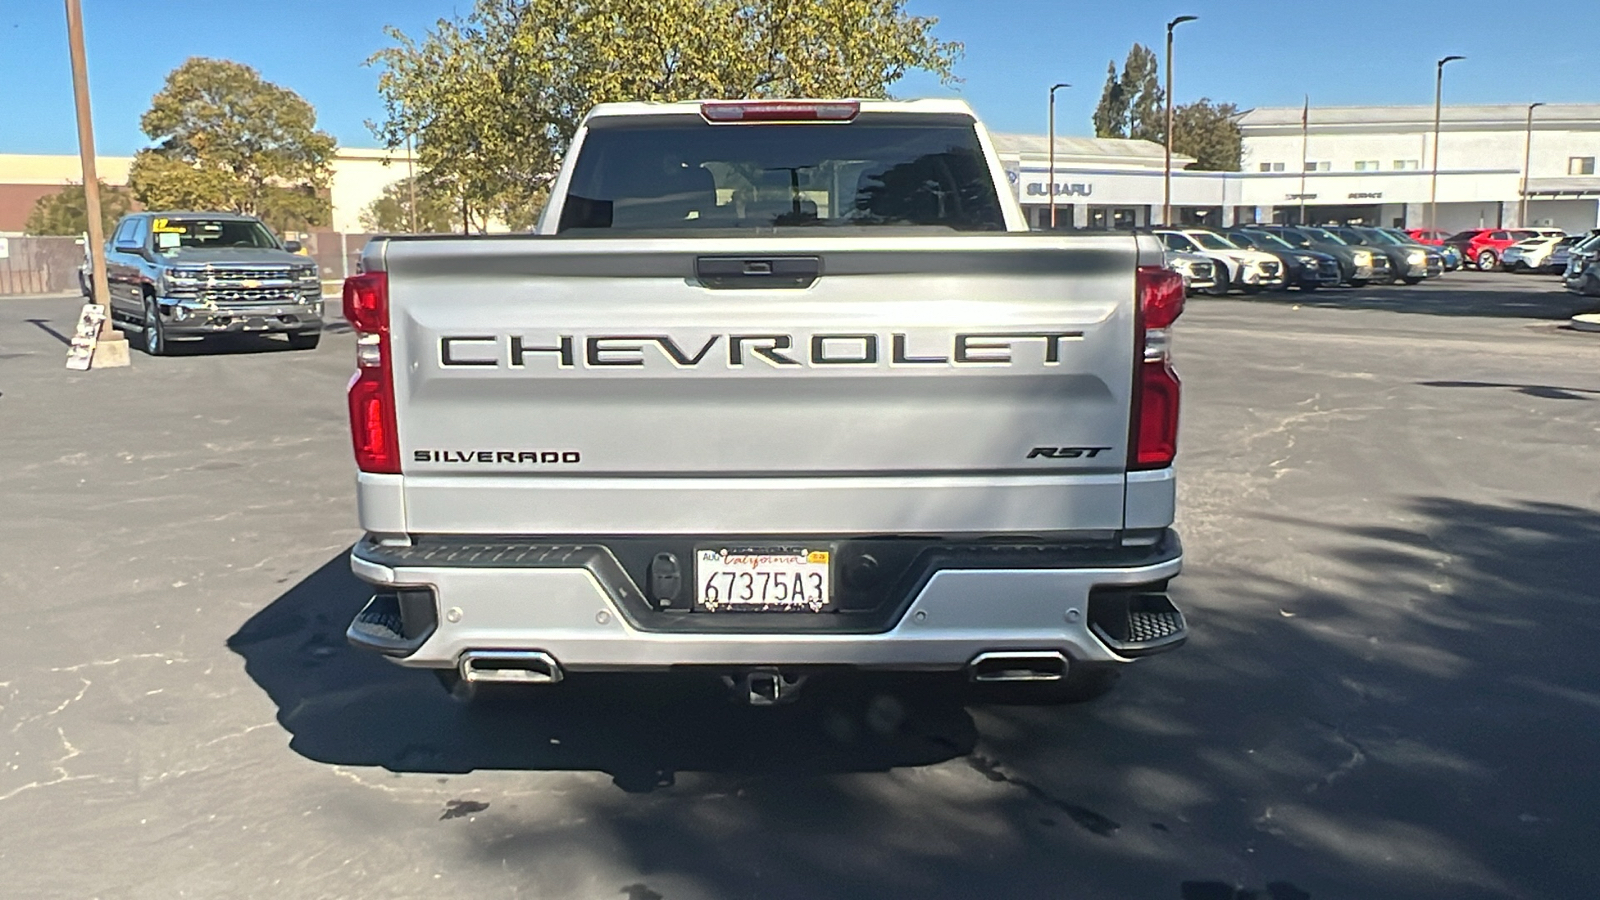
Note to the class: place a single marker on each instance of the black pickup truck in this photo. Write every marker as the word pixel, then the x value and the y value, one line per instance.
pixel 193 274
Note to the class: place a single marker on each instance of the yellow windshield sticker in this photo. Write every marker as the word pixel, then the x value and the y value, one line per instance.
pixel 161 226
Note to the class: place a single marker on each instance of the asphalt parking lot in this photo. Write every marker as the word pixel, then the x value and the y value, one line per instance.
pixel 1391 513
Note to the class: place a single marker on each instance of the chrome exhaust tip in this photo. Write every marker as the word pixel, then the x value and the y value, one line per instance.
pixel 509 667
pixel 1009 666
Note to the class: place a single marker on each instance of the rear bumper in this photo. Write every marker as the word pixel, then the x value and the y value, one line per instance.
pixel 578 606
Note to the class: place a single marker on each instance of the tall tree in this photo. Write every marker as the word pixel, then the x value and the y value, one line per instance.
pixel 493 98
pixel 228 140
pixel 67 212
pixel 1131 104
pixel 1111 115
pixel 1209 132
pixel 1142 84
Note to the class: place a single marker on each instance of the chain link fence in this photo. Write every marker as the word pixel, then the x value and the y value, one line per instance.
pixel 39 265
pixel 49 265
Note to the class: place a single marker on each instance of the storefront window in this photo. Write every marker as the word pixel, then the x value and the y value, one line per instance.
pixel 1064 218
pixel 1204 216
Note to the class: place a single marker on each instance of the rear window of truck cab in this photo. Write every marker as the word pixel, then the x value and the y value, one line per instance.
pixel 677 172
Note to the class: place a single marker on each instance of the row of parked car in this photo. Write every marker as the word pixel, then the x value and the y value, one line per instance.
pixel 1254 258
pixel 1510 249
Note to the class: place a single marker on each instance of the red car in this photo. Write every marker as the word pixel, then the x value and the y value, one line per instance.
pixel 1482 246
pixel 1434 238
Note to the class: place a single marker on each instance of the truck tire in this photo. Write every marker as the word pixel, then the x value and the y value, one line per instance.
pixel 155 336
pixel 304 340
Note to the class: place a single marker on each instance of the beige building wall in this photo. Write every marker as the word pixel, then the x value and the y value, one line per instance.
pixel 25 168
pixel 359 177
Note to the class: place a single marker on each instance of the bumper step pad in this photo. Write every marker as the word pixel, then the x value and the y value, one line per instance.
pixel 395 623
pixel 1136 621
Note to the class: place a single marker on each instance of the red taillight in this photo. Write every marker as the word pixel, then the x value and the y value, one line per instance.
pixel 366 302
pixel 1160 296
pixel 1156 389
pixel 372 417
pixel 727 112
pixel 1156 441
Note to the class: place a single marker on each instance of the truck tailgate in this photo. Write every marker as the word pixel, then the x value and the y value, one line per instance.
pixel 892 384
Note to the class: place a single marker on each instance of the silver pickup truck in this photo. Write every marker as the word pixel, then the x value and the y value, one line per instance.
pixel 775 388
pixel 199 274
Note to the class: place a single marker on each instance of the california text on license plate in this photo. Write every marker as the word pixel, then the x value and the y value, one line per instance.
pixel 763 580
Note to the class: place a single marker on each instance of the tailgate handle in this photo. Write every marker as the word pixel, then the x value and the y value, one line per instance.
pixel 757 272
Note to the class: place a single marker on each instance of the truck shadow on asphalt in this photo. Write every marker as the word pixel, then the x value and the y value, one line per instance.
pixel 1402 707
pixel 348 707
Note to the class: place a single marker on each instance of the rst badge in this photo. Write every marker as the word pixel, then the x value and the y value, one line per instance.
pixel 1066 452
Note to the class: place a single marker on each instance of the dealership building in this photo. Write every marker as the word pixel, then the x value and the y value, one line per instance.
pixel 1340 164
pixel 1343 164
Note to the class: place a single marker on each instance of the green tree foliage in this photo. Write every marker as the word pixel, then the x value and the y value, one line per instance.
pixel 228 140
pixel 67 211
pixel 1209 132
pixel 391 213
pixel 1111 115
pixel 1132 105
pixel 1147 113
pixel 493 98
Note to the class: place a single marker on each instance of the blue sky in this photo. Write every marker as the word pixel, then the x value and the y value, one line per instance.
pixel 1250 53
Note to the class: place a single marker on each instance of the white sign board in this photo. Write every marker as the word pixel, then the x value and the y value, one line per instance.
pixel 5 248
pixel 88 333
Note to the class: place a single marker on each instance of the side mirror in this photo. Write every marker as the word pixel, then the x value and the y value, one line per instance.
pixel 292 246
pixel 129 248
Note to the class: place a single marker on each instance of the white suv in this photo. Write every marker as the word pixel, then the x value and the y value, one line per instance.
pixel 1249 270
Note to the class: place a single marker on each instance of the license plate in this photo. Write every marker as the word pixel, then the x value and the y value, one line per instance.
pixel 763 580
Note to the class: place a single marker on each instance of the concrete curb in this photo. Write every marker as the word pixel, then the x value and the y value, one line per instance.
pixel 1586 322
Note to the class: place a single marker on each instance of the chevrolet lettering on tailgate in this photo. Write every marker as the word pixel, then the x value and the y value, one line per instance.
pixel 982 348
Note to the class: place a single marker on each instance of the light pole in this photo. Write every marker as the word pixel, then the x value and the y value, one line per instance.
pixel 1050 178
pixel 1166 183
pixel 1305 150
pixel 1527 161
pixel 1433 184
pixel 91 178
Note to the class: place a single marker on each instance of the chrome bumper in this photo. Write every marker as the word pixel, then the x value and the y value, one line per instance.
pixel 189 316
